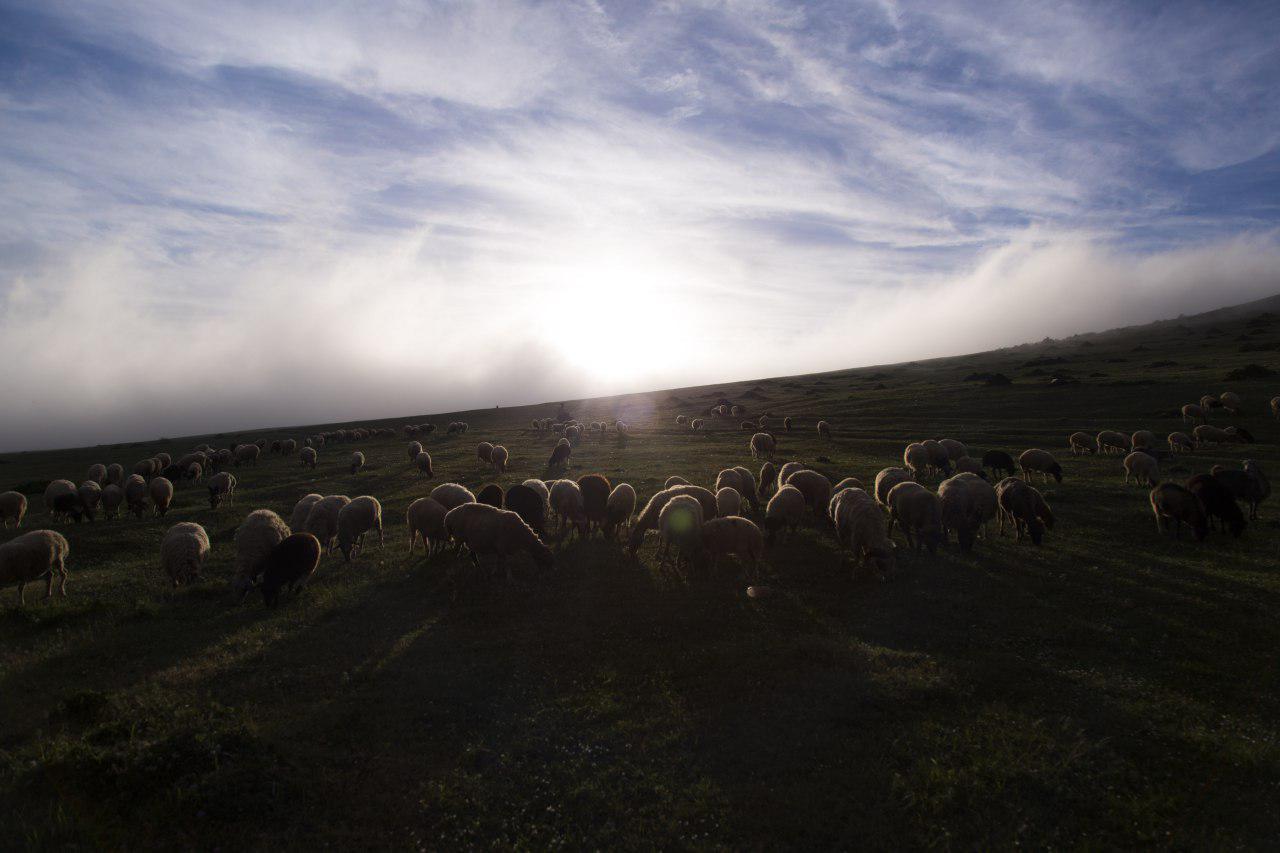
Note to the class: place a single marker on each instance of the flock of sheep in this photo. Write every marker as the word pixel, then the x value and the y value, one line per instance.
pixel 696 525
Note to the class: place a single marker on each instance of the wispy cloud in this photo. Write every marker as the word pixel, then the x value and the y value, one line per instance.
pixel 221 215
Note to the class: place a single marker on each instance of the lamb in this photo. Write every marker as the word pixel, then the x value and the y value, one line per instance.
pixel 112 498
pixel 648 518
pixel 415 447
pixel 161 491
pixel 815 487
pixel 423 461
pixel 728 502
pixel 919 512
pixel 182 552
pixel 560 455
pixel 1080 442
pixel 762 444
pixel 595 490
pixel 115 473
pixel 785 509
pixel 97 473
pixel 322 520
pixel 824 429
pixel 1219 502
pixel 308 457
pixel 135 494
pixel 1142 467
pixel 484 451
pixel 1193 414
pixel 62 500
pixel 1249 484
pixel 567 504
pixel 969 465
pixel 860 527
pixel 1109 440
pixel 450 495
pixel 680 524
pixel 302 509
pixel 1039 461
pixel 13 506
pixel 1000 463
pixel 491 532
pixel 1142 438
pixel 886 480
pixel 491 494
pixel 34 555
pixel 619 508
pixel 955 449
pixel 675 480
pixel 1169 501
pixel 916 460
pixel 499 458
pixel 290 564
pixel 247 454
pixel 968 503
pixel 768 478
pixel 357 461
pixel 356 519
pixel 261 531
pixel 722 537
pixel 425 518
pixel 1180 442
pixel 1024 506
pixel 1205 434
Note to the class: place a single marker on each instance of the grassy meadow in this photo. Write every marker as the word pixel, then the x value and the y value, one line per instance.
pixel 1112 687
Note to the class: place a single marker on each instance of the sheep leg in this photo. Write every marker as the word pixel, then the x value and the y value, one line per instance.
pixel 22 595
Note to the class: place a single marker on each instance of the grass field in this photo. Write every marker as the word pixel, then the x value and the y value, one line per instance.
pixel 1110 688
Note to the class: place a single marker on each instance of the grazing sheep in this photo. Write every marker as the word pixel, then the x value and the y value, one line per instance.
pixel 846 483
pixel 939 459
pixel 1143 438
pixel 484 452
pixel 1240 434
pixel 425 519
pixel 112 498
pixel 747 486
pixel 619 508
pixel 451 495
pixel 182 552
pixel 491 494
pixel 595 490
pixel 161 491
pixel 222 486
pixel 261 531
pixel 969 465
pixel 498 457
pixel 34 555
pixel 89 494
pixel 789 468
pixel 356 519
pixel 247 454
pixel 423 461
pixel 62 501
pixel 1249 484
pixel 785 509
pixel 696 423
pixel 290 564
pixel 1041 462
pixel 728 502
pixel 288 447
pixel 560 455
pixel 357 461
pixel 648 518
pixel 115 473
pixel 916 460
pixel 675 480
pixel 1023 505
pixel 145 468
pixel 815 487
pixel 1109 440
pixel 308 456
pixel 135 494
pixel 919 512
pixel 860 527
pixel 681 420
pixel 322 520
pixel 1192 413
pixel 1080 442
pixel 824 429
pixel 680 524
pixel 886 480
pixel 165 459
pixel 733 536
pixel 1219 502
pixel 1180 442
pixel 1000 463
pixel 762 444
pixel 1142 467
pixel 1169 501
pixel 13 507
pixel 955 449
pixel 968 503
pixel 302 509
pixel 1208 401
pixel 567 504
pixel 1205 434
pixel 98 473
pixel 487 531
pixel 768 478
pixel 415 447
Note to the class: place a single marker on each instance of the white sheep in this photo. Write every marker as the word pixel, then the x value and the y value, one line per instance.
pixel 161 491
pixel 308 457
pixel 886 480
pixel 763 444
pixel 916 459
pixel 13 507
pixel 247 454
pixel 680 524
pixel 484 451
pixel 1142 438
pixel 183 550
pixel 1180 442
pixel 860 526
pixel 356 519
pixel 1193 413
pixel 1041 462
pixel 89 494
pixel 1142 467
pixel 298 518
pixel 728 502
pixel 619 508
pixel 955 449
pixel 785 509
pixel 732 536
pixel 968 502
pixel 425 519
pixel 498 457
pixel 222 487
pixel 322 520
pixel 1080 442
pixel 488 531
pixel 62 500
pixel 135 494
pixel 569 506
pixel 450 495
pixel 112 498
pixel 34 555
pixel 919 513
pixel 98 473
pixel 357 461
pixel 1109 440
pixel 415 447
pixel 261 531
pixel 824 429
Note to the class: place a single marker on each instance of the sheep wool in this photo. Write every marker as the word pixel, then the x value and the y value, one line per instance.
pixel 182 552
pixel 34 555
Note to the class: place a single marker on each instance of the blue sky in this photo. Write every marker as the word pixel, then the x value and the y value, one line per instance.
pixel 232 214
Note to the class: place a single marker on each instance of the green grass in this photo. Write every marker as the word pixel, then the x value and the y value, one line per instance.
pixel 1110 688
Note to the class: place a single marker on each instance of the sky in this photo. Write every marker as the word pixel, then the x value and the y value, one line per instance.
pixel 221 216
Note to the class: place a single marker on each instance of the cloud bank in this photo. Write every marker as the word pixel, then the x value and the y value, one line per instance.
pixel 234 215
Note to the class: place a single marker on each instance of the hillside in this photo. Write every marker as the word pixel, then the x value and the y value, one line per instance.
pixel 1112 687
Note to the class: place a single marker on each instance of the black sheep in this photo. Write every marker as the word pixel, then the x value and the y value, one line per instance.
pixel 290 563
pixel 1218 502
